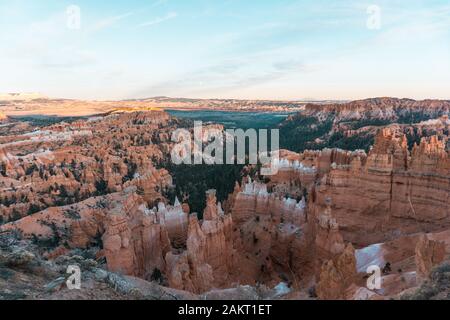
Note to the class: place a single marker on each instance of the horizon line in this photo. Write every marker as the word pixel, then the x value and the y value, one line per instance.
pixel 300 100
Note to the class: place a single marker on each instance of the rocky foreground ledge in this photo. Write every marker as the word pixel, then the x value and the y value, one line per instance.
pixel 24 274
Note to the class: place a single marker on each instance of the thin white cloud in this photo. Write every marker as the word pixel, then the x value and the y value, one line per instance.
pixel 169 16
pixel 109 21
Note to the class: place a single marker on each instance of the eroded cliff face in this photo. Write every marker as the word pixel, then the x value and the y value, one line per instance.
pixel 391 192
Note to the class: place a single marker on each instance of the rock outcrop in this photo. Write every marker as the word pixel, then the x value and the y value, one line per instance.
pixel 135 242
pixel 175 220
pixel 209 257
pixel 254 199
pixel 271 235
pixel 429 253
pixel 329 241
pixel 337 275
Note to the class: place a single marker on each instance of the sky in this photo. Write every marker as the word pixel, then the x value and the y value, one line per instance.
pixel 244 49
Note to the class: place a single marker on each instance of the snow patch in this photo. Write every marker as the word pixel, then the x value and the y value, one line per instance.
pixel 282 289
pixel 368 256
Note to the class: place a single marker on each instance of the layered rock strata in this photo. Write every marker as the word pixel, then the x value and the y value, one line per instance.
pixel 390 193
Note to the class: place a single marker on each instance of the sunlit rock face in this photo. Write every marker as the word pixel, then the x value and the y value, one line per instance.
pixel 3 117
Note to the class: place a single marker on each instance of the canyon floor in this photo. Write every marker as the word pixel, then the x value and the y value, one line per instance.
pixel 362 191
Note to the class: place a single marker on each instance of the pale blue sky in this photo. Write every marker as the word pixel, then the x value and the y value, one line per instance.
pixel 256 49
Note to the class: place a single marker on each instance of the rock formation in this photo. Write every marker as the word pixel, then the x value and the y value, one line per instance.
pixel 271 235
pixel 329 241
pixel 175 220
pixel 429 253
pixel 208 260
pixel 254 200
pixel 135 242
pixel 337 275
pixel 390 191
